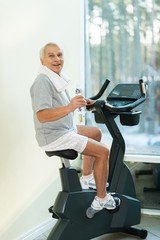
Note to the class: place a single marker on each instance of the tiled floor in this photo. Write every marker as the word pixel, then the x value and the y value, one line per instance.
pixel 150 223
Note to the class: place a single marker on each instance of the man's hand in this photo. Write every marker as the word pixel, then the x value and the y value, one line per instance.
pixel 90 102
pixel 76 102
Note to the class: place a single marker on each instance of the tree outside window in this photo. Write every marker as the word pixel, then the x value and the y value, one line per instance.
pixel 123 45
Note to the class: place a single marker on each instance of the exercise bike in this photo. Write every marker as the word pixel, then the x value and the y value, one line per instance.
pixel 75 218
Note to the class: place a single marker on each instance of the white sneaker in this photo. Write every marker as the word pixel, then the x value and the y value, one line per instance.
pixel 109 204
pixel 89 183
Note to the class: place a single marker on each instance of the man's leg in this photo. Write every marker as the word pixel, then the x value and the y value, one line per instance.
pixel 93 133
pixel 88 179
pixel 101 167
pixel 97 153
pixel 100 153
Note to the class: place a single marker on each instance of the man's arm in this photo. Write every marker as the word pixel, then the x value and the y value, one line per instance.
pixel 52 114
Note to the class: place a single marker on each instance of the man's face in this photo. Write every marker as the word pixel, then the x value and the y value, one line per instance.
pixel 53 58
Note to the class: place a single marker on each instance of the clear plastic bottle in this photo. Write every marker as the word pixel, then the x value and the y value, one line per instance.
pixel 81 110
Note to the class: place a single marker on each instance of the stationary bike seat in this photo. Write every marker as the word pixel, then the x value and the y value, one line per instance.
pixel 67 153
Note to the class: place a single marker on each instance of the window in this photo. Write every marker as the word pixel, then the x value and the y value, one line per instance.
pixel 123 45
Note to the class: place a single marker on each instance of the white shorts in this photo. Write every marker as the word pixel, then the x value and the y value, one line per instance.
pixel 70 140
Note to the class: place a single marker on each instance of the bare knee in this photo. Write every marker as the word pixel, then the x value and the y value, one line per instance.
pixel 95 133
pixel 90 131
pixel 96 149
pixel 105 152
pixel 98 134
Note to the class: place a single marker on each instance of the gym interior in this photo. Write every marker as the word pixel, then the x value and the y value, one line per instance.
pixel 29 179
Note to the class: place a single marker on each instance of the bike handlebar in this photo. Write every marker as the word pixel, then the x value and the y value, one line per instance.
pixel 101 91
pixel 127 107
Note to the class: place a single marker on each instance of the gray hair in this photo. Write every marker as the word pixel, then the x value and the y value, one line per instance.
pixel 42 51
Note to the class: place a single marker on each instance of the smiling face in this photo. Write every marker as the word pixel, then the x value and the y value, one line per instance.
pixel 53 58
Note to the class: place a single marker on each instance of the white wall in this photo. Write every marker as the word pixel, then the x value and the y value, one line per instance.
pixel 29 180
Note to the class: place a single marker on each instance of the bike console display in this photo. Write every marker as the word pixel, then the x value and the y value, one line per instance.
pixel 121 101
pixel 124 94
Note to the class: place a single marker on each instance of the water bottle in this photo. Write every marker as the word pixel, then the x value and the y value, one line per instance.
pixel 80 110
